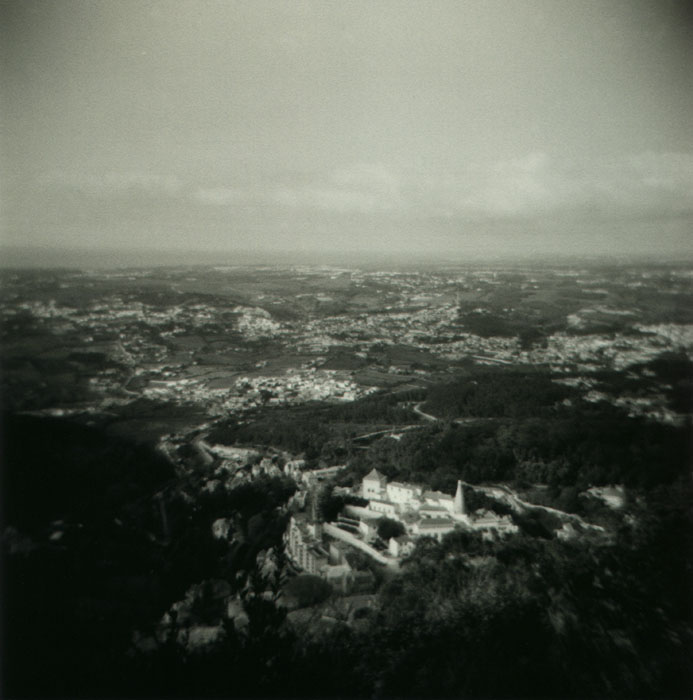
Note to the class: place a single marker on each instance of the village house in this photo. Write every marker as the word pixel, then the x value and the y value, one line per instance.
pixel 433 527
pixel 403 494
pixel 401 546
pixel 384 507
pixel 294 467
pixel 373 485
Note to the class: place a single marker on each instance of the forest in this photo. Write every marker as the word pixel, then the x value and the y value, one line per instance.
pixel 514 425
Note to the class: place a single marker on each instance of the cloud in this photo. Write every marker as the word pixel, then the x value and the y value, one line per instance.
pixel 363 188
pixel 113 182
pixel 371 177
pixel 220 195
pixel 670 173
pixel 326 198
pixel 647 184
pixel 536 185
pixel 508 188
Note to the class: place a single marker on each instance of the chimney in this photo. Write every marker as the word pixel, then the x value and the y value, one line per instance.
pixel 459 507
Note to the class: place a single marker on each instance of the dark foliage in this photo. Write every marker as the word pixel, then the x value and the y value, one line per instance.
pixel 578 450
pixel 70 604
pixel 498 394
pixel 307 589
pixel 388 528
pixel 58 469
pixel 318 431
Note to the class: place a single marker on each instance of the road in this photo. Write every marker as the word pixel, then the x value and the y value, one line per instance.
pixel 425 416
pixel 387 431
pixel 459 421
pixel 202 449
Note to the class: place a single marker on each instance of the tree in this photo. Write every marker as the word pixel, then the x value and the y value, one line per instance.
pixel 388 528
pixel 307 589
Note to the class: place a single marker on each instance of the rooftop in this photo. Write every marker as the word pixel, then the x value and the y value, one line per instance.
pixel 402 485
pixel 375 475
pixel 431 523
pixel 438 495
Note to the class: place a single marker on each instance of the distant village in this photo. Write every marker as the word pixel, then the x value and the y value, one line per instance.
pixel 179 353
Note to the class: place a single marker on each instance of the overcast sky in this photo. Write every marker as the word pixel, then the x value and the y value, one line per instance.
pixel 433 129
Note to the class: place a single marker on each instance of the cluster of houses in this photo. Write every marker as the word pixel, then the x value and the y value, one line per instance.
pixel 296 386
pixel 319 548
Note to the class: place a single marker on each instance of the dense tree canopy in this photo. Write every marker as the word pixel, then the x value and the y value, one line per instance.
pixel 388 528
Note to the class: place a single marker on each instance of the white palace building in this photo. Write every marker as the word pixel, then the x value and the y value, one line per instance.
pixel 427 513
pixel 318 548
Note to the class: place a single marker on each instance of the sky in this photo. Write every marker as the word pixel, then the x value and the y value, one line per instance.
pixel 327 130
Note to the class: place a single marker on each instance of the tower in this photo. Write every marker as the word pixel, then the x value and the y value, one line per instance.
pixel 459 507
pixel 315 524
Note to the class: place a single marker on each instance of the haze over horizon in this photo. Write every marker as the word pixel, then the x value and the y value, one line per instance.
pixel 324 130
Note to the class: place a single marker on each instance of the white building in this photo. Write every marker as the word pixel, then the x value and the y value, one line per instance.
pixel 426 513
pixel 438 498
pixel 368 528
pixel 294 467
pixel 384 507
pixel 401 546
pixel 488 520
pixel 303 542
pixel 374 485
pixel 403 494
pixel 433 527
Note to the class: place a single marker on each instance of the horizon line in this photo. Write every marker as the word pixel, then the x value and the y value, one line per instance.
pixel 81 257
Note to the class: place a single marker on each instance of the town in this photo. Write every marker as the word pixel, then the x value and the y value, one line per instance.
pixel 223 353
